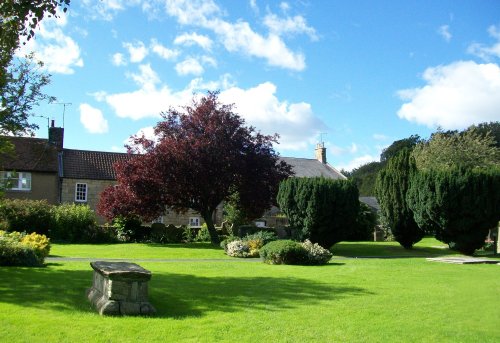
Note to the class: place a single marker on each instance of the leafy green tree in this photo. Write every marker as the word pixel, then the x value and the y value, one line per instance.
pixel 235 213
pixel 394 149
pixel 20 19
pixel 20 94
pixel 468 149
pixel 324 210
pixel 365 176
pixel 493 128
pixel 460 204
pixel 392 185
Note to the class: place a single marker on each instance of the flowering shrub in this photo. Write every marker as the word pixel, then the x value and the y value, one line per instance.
pixel 238 249
pixel 254 246
pixel 19 249
pixel 316 253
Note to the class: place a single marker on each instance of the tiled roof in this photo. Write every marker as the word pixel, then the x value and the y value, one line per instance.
pixel 95 165
pixel 372 202
pixel 307 167
pixel 30 154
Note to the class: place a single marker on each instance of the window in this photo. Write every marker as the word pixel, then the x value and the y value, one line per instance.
pixel 260 223
pixel 158 220
pixel 194 221
pixel 81 192
pixel 16 181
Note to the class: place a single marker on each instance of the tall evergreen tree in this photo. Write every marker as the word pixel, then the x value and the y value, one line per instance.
pixel 391 188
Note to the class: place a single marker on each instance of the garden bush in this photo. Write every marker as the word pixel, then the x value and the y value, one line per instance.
pixel 203 235
pixel 316 253
pixel 284 252
pixel 238 249
pixel 227 240
pixel 264 236
pixel 20 249
pixel 73 223
pixel 26 215
pixel 129 229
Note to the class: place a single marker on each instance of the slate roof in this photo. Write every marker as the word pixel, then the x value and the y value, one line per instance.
pixel 308 167
pixel 30 154
pixel 95 165
pixel 372 202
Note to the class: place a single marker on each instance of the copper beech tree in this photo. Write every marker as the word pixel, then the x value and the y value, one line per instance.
pixel 201 154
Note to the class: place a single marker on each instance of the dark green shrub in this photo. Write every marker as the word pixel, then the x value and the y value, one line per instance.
pixel 460 205
pixel 392 187
pixel 245 230
pixel 26 215
pixel 323 210
pixel 130 229
pixel 284 252
pixel 366 222
pixel 73 223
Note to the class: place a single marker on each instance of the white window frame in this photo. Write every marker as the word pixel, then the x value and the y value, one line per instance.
pixel 194 222
pixel 23 180
pixel 260 223
pixel 78 192
pixel 158 220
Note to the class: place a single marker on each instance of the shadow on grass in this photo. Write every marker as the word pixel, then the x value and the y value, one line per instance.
pixel 386 250
pixel 173 295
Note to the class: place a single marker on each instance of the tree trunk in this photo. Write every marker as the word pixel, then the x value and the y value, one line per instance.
pixel 214 237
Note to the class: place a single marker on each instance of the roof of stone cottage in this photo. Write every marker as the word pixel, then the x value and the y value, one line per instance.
pixel 29 154
pixel 309 167
pixel 94 165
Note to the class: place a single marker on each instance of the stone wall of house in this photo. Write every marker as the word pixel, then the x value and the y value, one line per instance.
pixel 44 186
pixel 94 189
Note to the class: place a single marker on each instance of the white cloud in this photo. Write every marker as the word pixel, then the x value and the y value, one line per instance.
pixel 147 79
pixel 106 9
pixel 254 6
pixel 456 96
pixel 190 39
pixel 444 31
pixel 295 122
pixel 484 52
pixel 358 162
pixel 92 119
pixel 118 59
pixel 137 51
pixel 59 52
pixel 236 37
pixel 380 137
pixel 190 66
pixel 337 151
pixel 284 6
pixel 289 25
pixel 162 51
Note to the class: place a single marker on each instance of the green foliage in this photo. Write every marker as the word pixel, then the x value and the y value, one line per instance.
pixel 365 224
pixel 203 235
pixel 19 249
pixel 461 205
pixel 188 234
pixel 73 223
pixel 129 229
pixel 323 210
pixel 364 177
pixel 392 185
pixel 234 213
pixel 468 149
pixel 397 146
pixel 26 215
pixel 491 128
pixel 264 236
pixel 284 252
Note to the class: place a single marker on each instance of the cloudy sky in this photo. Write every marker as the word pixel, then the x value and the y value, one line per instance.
pixel 355 74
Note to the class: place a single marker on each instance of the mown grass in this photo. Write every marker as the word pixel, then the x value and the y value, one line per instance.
pixel 139 251
pixel 348 300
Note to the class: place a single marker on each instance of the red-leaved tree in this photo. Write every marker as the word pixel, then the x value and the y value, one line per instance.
pixel 202 153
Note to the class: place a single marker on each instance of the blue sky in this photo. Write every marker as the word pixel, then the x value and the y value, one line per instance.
pixel 356 74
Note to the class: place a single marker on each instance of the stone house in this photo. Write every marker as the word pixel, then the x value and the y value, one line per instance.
pixel 44 169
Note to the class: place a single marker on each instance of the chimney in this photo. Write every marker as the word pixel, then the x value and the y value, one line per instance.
pixel 56 136
pixel 320 152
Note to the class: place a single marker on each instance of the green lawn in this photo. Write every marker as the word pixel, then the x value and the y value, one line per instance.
pixel 348 300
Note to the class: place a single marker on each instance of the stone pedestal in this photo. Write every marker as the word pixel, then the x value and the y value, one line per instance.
pixel 120 288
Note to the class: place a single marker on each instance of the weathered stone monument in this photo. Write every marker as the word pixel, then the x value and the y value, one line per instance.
pixel 120 288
